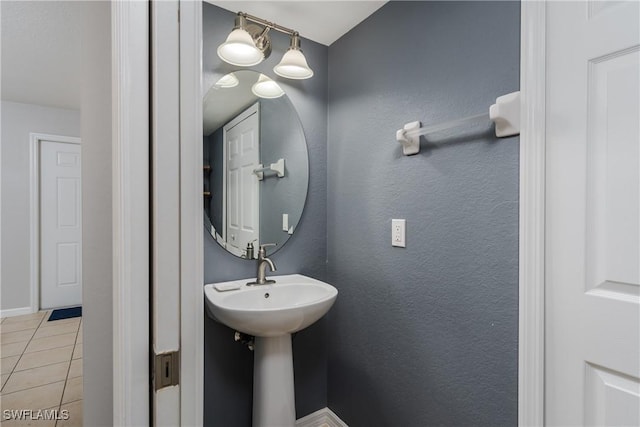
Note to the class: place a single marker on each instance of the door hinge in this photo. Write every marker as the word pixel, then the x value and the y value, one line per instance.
pixel 167 369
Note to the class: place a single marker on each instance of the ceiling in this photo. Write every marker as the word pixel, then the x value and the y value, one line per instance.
pixel 222 104
pixel 321 21
pixel 41 44
pixel 42 40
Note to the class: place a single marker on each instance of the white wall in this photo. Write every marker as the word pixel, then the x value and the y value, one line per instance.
pixel 18 120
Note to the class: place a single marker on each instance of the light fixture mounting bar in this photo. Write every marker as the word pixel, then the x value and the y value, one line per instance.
pixel 268 24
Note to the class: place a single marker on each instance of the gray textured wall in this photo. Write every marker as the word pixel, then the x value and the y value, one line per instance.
pixel 228 365
pixel 97 284
pixel 425 335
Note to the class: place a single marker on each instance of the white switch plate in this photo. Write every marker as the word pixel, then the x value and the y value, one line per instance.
pixel 398 233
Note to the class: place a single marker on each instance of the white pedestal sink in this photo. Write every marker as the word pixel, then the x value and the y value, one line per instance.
pixel 271 313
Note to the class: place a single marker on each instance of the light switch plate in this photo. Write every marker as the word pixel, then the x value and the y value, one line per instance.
pixel 398 233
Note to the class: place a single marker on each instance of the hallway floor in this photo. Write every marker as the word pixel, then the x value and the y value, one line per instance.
pixel 41 370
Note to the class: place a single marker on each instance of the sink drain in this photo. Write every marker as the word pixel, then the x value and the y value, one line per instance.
pixel 266 295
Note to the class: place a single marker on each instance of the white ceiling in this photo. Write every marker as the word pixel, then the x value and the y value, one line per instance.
pixel 321 21
pixel 41 44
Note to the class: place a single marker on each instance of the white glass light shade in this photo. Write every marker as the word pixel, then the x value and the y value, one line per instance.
pixel 293 66
pixel 266 88
pixel 227 81
pixel 239 49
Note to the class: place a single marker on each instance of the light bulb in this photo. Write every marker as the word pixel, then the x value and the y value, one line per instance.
pixel 293 64
pixel 239 49
pixel 227 81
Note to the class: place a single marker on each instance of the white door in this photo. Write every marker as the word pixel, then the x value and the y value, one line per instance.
pixel 242 154
pixel 60 225
pixel 592 289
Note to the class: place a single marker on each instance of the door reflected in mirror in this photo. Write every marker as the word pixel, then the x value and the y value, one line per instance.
pixel 256 166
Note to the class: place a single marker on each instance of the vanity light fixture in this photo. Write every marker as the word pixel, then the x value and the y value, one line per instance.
pixel 246 45
pixel 227 81
pixel 266 88
pixel 250 44
pixel 293 64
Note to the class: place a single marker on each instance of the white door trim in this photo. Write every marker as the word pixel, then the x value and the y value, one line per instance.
pixel 130 27
pixel 34 210
pixel 130 181
pixel 191 217
pixel 532 211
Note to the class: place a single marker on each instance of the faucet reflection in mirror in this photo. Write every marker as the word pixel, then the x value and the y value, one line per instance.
pixel 250 44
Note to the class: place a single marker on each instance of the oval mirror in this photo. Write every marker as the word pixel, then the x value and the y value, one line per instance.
pixel 256 166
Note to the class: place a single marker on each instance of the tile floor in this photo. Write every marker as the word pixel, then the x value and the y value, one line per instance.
pixel 41 365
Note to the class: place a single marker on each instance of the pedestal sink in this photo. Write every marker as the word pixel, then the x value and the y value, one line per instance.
pixel 271 313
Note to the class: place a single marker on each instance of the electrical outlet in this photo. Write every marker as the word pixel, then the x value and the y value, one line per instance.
pixel 398 233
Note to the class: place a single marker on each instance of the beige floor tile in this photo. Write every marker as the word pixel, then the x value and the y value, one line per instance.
pixel 5 377
pixel 72 390
pixel 41 397
pixel 19 326
pixel 79 339
pixel 29 423
pixel 51 342
pixel 13 349
pixel 36 377
pixel 15 319
pixel 48 331
pixel 76 368
pixel 75 414
pixel 44 357
pixel 74 320
pixel 17 336
pixel 77 352
pixel 49 422
pixel 8 363
pixel 25 318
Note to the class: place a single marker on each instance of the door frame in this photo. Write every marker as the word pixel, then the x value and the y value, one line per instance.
pixel 531 344
pixel 130 180
pixel 130 210
pixel 35 140
pixel 130 24
pixel 191 217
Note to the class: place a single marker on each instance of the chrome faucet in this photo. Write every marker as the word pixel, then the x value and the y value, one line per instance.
pixel 263 261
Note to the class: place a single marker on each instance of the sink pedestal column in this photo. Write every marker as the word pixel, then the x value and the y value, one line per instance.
pixel 273 393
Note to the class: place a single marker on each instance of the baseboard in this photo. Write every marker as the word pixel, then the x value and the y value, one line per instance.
pixel 324 417
pixel 16 312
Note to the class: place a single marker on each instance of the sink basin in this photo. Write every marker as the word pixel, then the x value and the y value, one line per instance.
pixel 271 313
pixel 291 304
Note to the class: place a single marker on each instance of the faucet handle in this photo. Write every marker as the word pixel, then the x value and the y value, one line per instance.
pixel 264 245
